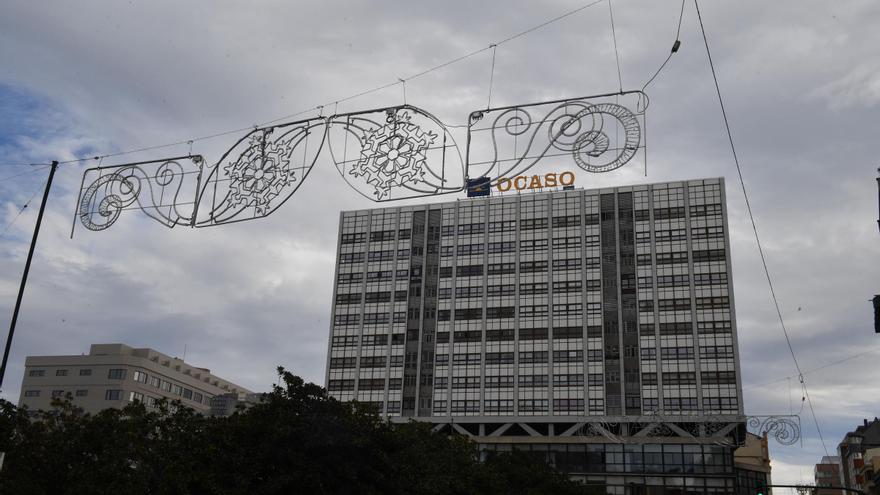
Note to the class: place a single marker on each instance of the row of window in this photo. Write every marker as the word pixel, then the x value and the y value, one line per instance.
pixel 376 236
pixel 558 333
pixel 684 304
pixel 172 388
pixel 66 372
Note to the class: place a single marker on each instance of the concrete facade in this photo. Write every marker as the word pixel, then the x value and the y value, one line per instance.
pixel 112 375
pixel 827 473
pixel 593 328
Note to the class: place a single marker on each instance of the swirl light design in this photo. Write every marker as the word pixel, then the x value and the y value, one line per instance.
pixel 388 154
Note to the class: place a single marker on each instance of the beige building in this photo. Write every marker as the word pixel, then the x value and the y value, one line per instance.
pixel 112 375
pixel 752 463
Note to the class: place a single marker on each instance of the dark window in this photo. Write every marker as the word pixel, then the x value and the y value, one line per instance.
pixel 469 271
pixel 116 374
pixel 500 312
pixel 468 314
pixel 532 334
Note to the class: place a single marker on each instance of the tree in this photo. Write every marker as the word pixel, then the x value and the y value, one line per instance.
pixel 297 440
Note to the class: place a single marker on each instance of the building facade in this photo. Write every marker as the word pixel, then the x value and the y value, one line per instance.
pixel 826 474
pixel 852 453
pixel 558 316
pixel 752 463
pixel 112 375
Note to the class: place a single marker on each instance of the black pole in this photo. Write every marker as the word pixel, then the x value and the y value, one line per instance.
pixel 24 276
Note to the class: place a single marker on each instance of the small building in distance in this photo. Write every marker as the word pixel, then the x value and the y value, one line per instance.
pixel 827 473
pixel 112 375
pixel 226 404
pixel 752 465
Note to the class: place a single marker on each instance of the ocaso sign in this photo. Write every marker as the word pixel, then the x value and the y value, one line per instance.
pixel 521 182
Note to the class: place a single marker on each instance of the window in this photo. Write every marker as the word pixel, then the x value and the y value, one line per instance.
pixel 31 393
pixel 155 381
pixel 469 271
pixel 37 373
pixel 176 389
pixel 135 396
pixel 82 393
pixel 116 374
pixel 532 266
pixel 166 386
pixel 533 334
pixel 500 312
pixel 571 356
pixel 533 224
pixel 113 395
pixel 139 376
pixel 353 238
pixel 187 394
pixel 532 357
pixel 60 372
pixel 346 258
pixel 568 380
pixel 501 268
pixel 533 380
pixel 340 385
pixel 85 372
pixel 504 381
pixel 57 393
pixel 499 358
pixel 533 245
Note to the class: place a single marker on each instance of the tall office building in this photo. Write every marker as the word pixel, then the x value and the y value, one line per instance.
pixel 549 315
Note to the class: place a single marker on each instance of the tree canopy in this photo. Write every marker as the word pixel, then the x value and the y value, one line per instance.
pixel 297 440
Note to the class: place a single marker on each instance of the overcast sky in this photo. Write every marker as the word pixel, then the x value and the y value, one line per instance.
pixel 801 80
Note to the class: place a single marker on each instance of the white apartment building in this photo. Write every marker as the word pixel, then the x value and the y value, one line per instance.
pixel 112 375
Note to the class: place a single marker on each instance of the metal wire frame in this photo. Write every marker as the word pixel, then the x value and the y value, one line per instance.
pixel 260 172
pixel 399 152
pixel 574 127
pixel 785 429
pixel 397 147
pixel 154 186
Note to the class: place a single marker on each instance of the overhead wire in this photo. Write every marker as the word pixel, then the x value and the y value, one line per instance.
pixel 675 46
pixel 347 98
pixel 37 168
pixel 813 370
pixel 755 229
pixel 21 210
pixel 614 38
pixel 491 77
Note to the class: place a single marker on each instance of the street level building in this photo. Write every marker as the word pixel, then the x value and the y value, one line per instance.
pixel 752 462
pixel 112 375
pixel 827 473
pixel 595 328
pixel 852 452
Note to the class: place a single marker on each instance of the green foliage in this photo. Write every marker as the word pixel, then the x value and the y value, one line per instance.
pixel 298 440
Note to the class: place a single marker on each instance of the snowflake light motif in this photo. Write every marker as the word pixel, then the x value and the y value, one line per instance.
pixel 393 155
pixel 259 175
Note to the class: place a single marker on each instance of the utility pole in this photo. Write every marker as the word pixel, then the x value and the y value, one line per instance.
pixel 24 276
